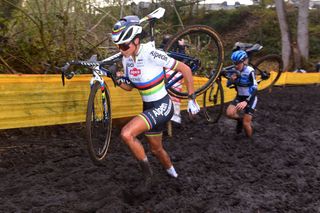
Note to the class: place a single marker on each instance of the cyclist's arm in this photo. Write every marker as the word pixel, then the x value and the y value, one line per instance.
pixel 187 76
pixel 232 76
pixel 162 59
pixel 231 82
pixel 253 89
pixel 124 82
pixel 125 86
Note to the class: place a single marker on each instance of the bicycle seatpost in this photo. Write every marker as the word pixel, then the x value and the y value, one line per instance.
pixel 152 23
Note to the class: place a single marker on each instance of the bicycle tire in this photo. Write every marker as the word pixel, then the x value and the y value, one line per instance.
pixel 211 56
pixel 213 106
pixel 268 63
pixel 98 123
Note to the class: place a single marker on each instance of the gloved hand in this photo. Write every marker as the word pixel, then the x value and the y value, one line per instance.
pixel 193 107
pixel 113 70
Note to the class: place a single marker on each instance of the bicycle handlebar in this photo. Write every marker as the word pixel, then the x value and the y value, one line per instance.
pixel 92 62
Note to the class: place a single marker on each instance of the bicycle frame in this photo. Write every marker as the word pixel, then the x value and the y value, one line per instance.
pixel 97 66
pixel 195 63
pixel 264 74
pixel 250 52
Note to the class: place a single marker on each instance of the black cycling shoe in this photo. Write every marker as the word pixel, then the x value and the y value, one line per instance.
pixel 146 184
pixel 143 187
pixel 239 126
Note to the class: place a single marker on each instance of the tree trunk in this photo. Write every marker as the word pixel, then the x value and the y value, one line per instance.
pixel 302 29
pixel 285 33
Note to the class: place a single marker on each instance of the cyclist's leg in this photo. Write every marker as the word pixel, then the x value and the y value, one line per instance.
pixel 160 113
pixel 247 118
pixel 129 135
pixel 155 142
pixel 231 111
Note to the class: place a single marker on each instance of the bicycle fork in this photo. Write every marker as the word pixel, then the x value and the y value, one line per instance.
pixel 105 113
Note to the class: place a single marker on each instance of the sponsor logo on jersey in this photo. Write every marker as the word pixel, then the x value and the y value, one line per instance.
pixel 135 72
pixel 130 65
pixel 158 55
pixel 160 110
pixel 140 64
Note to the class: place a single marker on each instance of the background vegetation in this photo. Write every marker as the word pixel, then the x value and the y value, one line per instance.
pixel 54 31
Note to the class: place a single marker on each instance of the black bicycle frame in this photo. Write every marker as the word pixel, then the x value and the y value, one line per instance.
pixel 193 63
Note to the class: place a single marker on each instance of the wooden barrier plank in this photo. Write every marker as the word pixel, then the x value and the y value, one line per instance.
pixel 37 100
pixel 40 100
pixel 302 78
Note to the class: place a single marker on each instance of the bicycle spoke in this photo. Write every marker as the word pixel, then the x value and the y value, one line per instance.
pixel 268 70
pixel 203 53
pixel 213 102
pixel 98 123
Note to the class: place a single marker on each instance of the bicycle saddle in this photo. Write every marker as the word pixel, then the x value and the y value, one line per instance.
pixel 247 47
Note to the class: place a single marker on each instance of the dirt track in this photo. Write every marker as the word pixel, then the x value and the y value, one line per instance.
pixel 45 169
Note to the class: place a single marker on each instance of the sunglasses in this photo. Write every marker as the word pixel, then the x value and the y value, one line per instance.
pixel 124 47
pixel 238 62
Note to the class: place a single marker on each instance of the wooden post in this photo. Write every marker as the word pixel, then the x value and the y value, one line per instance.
pixel 169 128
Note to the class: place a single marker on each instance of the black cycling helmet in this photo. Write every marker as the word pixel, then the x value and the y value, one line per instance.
pixel 126 29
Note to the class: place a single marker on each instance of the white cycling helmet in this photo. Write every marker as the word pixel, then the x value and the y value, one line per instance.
pixel 126 29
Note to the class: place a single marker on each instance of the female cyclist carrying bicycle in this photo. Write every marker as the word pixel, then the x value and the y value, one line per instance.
pixel 246 86
pixel 143 68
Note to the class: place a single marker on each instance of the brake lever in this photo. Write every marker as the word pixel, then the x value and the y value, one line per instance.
pixel 62 78
pixel 113 75
pixel 70 75
pixel 63 70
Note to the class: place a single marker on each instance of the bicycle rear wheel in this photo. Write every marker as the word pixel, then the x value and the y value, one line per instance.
pixel 268 70
pixel 98 123
pixel 203 52
pixel 213 102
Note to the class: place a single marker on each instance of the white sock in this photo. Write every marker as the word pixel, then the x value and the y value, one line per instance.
pixel 172 172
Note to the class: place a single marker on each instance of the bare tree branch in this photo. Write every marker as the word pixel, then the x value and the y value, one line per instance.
pixel 177 13
pixel 10 69
pixel 97 24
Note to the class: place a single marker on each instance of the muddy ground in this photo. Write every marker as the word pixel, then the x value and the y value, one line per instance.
pixel 46 170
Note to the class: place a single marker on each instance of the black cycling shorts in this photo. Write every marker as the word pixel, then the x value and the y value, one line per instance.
pixel 156 114
pixel 251 106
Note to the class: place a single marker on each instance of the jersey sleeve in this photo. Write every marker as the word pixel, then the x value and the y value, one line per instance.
pixel 124 65
pixel 254 86
pixel 160 58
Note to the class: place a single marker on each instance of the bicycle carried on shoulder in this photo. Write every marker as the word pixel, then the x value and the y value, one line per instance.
pixel 268 70
pixel 99 115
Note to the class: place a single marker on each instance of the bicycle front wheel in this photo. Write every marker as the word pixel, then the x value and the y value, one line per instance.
pixel 201 48
pixel 98 123
pixel 213 102
pixel 268 70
